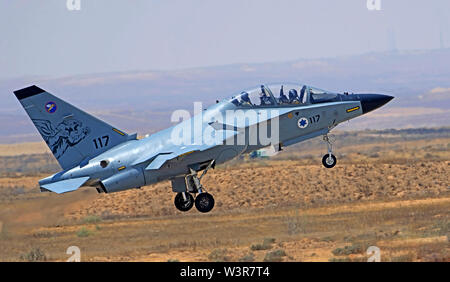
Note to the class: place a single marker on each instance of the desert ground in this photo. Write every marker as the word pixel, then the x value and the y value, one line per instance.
pixel 390 189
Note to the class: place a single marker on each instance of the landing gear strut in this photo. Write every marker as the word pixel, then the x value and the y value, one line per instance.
pixel 329 160
pixel 204 202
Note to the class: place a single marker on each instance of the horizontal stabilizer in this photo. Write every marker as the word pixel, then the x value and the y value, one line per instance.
pixel 64 186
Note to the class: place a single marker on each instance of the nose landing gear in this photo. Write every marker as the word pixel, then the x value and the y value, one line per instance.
pixel 329 160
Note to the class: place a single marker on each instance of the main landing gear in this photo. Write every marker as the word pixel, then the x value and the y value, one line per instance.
pixel 184 201
pixel 329 160
pixel 204 202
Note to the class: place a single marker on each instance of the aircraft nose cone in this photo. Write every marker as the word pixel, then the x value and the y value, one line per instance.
pixel 370 102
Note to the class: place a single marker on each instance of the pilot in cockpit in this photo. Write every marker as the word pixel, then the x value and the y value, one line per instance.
pixel 265 99
pixel 235 102
pixel 302 93
pixel 293 97
pixel 245 100
pixel 283 99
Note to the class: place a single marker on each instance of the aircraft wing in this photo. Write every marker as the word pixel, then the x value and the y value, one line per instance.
pixel 157 160
pixel 179 153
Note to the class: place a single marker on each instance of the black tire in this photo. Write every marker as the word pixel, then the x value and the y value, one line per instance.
pixel 204 202
pixel 329 163
pixel 183 205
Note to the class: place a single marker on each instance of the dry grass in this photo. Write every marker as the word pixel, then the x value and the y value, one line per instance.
pixel 404 226
pixel 23 149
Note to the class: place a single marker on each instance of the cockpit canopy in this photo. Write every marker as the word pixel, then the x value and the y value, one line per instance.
pixel 280 94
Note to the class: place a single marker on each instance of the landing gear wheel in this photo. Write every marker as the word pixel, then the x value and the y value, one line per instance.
pixel 204 202
pixel 182 204
pixel 329 160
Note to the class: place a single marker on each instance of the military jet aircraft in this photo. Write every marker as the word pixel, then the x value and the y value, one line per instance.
pixel 96 154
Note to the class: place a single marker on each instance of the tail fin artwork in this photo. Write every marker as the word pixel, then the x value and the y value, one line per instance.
pixel 72 135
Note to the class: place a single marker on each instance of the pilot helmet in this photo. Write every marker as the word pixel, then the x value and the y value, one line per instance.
pixel 292 93
pixel 244 97
pixel 263 90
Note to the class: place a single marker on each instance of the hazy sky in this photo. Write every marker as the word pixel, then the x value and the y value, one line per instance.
pixel 45 38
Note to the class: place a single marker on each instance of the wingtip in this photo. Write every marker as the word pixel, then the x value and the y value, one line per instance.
pixel 28 92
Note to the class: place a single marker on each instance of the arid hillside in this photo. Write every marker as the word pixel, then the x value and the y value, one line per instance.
pixel 390 189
